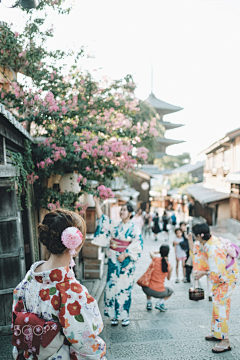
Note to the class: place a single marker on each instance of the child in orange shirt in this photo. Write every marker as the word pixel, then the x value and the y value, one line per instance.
pixel 162 270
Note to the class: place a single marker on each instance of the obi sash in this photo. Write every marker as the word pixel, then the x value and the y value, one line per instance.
pixel 232 259
pixel 119 245
pixel 30 331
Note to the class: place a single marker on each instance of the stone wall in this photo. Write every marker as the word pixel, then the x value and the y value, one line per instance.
pixel 233 226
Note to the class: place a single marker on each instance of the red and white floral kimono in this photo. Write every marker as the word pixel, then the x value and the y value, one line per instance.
pixel 56 297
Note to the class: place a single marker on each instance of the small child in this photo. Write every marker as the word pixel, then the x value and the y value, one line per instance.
pixel 161 269
pixel 180 253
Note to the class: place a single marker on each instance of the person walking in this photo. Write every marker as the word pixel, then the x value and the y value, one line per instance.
pixel 138 219
pixel 160 269
pixel 165 220
pixel 173 220
pixel 125 245
pixel 53 315
pixel 210 258
pixel 181 255
pixel 156 228
pixel 147 223
pixel 185 246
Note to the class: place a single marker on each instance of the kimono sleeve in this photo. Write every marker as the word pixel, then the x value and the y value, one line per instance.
pixel 200 260
pixel 217 264
pixel 134 250
pixel 82 323
pixel 102 234
pixel 19 291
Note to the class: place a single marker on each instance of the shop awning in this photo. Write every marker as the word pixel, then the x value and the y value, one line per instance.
pixel 206 195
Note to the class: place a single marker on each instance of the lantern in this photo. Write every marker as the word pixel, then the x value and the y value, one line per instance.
pixel 69 182
pixel 29 4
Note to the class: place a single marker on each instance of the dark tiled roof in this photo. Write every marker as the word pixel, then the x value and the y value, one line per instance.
pixel 14 122
pixel 162 106
pixel 205 195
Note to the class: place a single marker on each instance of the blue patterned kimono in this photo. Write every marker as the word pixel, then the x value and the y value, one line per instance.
pixel 120 279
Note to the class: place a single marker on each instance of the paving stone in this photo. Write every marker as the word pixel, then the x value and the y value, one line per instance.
pixel 6 348
pixel 140 336
pixel 137 351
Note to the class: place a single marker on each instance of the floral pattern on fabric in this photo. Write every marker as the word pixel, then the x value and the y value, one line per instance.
pixel 57 296
pixel 212 256
pixel 120 278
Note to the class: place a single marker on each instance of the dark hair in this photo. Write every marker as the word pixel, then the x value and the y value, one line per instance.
pixel 164 213
pixel 156 214
pixel 164 251
pixel 202 228
pixel 182 223
pixel 129 209
pixel 50 230
pixel 178 229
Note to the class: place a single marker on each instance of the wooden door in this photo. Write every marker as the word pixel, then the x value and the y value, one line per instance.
pixel 12 257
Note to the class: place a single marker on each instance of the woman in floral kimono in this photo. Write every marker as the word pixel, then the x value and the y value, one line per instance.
pixel 125 246
pixel 54 317
pixel 210 258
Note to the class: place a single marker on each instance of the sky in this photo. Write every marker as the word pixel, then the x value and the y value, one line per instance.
pixel 193 46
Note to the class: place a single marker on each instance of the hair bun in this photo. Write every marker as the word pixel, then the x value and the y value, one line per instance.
pixel 53 225
pixel 43 232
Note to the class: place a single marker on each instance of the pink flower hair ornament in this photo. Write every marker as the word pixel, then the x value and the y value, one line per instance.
pixel 202 234
pixel 71 238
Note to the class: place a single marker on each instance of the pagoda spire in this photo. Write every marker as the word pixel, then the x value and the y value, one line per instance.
pixel 163 108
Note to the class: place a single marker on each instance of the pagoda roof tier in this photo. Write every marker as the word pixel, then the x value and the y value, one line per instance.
pixel 168 125
pixel 162 107
pixel 168 142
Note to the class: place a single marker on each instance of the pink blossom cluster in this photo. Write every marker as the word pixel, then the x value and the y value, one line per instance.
pixel 81 207
pixel 105 193
pixel 31 178
pixel 55 206
pixel 82 180
pixel 57 154
pixel 132 105
pixel 142 153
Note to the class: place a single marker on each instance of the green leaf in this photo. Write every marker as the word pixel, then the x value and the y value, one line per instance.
pixel 55 318
pixel 79 318
pixel 53 291
pixel 94 327
pixel 62 305
pixel 29 278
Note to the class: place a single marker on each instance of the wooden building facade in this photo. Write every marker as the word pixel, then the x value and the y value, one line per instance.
pixel 18 240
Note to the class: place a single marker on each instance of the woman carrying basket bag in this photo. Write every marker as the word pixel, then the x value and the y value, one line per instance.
pixel 211 258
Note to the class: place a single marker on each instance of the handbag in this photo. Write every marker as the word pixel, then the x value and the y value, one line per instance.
pixel 184 244
pixel 196 293
pixel 146 277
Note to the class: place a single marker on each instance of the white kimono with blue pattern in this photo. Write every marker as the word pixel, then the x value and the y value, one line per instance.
pixel 120 279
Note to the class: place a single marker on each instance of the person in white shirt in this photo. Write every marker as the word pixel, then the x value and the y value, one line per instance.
pixel 180 253
pixel 138 219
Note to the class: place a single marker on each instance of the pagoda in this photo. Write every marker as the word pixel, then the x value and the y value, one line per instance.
pixel 163 108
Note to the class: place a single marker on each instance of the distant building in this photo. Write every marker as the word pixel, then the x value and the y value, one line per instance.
pixel 221 176
pixel 163 108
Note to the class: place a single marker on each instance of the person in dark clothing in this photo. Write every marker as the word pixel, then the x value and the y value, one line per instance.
pixel 173 219
pixel 185 246
pixel 165 220
pixel 156 228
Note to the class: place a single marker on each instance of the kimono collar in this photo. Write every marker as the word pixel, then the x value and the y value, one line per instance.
pixel 47 277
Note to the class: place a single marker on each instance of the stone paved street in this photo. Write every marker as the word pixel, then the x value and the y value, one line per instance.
pixel 176 334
